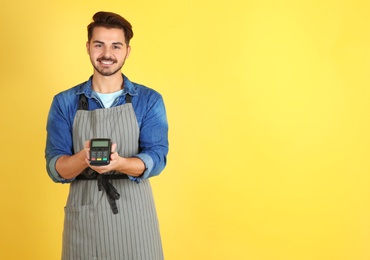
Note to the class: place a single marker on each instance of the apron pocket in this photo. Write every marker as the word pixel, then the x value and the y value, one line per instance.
pixel 79 232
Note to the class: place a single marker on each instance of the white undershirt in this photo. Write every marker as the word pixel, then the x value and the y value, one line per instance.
pixel 108 98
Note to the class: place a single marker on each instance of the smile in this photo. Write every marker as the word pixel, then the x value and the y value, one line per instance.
pixel 107 62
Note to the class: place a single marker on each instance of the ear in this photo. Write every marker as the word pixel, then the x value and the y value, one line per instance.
pixel 88 47
pixel 128 51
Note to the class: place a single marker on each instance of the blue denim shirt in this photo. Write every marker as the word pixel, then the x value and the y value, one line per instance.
pixel 150 113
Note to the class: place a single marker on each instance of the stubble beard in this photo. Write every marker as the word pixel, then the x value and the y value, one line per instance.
pixel 107 72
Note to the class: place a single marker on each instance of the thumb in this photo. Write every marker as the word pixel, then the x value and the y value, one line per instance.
pixel 87 144
pixel 114 147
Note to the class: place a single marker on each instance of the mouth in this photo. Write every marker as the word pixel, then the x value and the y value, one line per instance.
pixel 106 62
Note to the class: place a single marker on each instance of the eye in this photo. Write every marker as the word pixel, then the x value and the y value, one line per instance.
pixel 97 45
pixel 116 47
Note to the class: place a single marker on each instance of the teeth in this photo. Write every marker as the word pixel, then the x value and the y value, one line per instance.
pixel 107 62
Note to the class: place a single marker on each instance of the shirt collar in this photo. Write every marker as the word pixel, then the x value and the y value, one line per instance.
pixel 86 88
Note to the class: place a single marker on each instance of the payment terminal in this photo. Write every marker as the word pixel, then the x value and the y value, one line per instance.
pixel 100 150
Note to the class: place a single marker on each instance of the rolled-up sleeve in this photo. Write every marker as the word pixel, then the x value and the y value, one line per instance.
pixel 153 140
pixel 59 138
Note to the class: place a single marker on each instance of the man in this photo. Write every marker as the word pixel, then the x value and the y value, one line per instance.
pixel 110 213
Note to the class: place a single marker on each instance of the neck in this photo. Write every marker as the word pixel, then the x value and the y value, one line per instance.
pixel 107 84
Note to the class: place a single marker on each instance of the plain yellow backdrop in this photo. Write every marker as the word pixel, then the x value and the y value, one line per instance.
pixel 268 106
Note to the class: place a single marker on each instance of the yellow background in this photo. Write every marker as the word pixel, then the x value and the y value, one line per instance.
pixel 268 105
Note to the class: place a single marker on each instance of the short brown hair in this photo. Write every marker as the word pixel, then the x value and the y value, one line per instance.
pixel 110 20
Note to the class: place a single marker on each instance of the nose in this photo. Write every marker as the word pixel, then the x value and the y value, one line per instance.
pixel 106 52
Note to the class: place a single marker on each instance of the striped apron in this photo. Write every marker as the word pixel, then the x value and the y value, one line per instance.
pixel 91 230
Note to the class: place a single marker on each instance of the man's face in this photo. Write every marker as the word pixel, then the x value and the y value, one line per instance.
pixel 108 50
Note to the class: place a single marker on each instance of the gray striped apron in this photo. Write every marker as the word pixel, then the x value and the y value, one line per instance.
pixel 91 230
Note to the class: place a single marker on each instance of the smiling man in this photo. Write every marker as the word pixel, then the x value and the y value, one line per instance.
pixel 110 212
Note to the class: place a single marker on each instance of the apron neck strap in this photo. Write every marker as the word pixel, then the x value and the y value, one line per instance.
pixel 128 98
pixel 82 103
